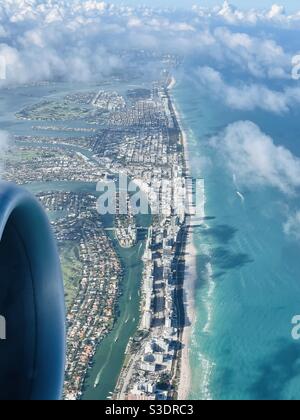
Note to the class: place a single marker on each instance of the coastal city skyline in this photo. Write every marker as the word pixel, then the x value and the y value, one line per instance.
pixel 163 144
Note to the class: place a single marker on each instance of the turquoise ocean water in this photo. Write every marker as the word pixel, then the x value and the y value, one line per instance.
pixel 248 282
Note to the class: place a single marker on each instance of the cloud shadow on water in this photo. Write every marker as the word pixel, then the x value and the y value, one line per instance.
pixel 222 258
pixel 276 373
pixel 227 260
pixel 221 233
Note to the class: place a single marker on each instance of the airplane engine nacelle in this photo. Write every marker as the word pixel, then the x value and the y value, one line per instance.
pixel 32 311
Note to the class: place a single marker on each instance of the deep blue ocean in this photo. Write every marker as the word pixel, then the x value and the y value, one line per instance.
pixel 248 283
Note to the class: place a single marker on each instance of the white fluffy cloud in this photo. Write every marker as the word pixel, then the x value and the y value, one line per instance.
pixel 292 226
pixel 82 39
pixel 255 160
pixel 247 96
pixel 5 142
pixel 276 15
pixel 259 56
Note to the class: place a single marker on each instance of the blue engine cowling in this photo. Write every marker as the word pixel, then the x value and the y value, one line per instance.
pixel 32 310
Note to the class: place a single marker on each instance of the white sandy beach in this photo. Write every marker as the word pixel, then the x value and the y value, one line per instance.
pixel 189 283
pixel 189 302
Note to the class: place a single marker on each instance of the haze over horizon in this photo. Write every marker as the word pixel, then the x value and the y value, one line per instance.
pixel 290 5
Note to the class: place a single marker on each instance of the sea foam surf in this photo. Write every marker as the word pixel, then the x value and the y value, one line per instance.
pixel 196 248
pixel 247 288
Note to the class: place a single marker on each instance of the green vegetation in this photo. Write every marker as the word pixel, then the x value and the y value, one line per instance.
pixel 19 155
pixel 72 270
pixel 54 111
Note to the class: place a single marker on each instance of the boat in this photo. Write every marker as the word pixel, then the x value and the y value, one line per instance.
pixel 97 381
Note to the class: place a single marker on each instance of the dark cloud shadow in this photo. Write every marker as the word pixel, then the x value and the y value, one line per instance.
pixel 221 257
pixel 222 233
pixel 276 373
pixel 209 218
pixel 224 259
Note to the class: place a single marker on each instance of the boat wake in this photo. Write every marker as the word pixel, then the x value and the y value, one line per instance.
pixel 97 382
pixel 209 300
pixel 241 196
pixel 206 365
pixel 139 251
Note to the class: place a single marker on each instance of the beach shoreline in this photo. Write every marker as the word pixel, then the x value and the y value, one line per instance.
pixel 189 304
pixel 190 277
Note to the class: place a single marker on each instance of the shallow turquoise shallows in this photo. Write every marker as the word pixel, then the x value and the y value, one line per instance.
pixel 32 310
pixel 248 287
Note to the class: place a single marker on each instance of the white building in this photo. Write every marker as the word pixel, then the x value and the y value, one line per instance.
pixel 147 319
